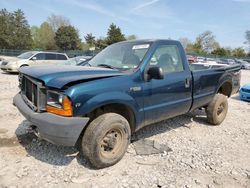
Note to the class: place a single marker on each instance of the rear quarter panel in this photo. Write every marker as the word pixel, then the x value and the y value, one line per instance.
pixel 206 83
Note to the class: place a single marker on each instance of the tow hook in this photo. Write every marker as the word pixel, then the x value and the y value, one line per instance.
pixel 33 129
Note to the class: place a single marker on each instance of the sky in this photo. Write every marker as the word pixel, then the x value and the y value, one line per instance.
pixel 147 19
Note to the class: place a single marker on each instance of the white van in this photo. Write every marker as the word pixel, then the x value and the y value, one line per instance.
pixel 33 58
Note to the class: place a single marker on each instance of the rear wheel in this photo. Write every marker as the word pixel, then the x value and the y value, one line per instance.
pixel 217 109
pixel 106 139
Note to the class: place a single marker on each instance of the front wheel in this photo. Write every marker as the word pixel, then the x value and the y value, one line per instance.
pixel 106 139
pixel 217 109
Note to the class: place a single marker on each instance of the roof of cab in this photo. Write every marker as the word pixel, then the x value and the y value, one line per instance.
pixel 150 40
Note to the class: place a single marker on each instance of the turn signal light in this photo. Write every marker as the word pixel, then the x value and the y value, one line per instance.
pixel 65 111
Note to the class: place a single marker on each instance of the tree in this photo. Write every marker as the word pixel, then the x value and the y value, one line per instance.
pixel 101 43
pixel 206 42
pixel 220 52
pixel 239 52
pixel 190 48
pixel 90 39
pixel 114 34
pixel 35 37
pixel 5 29
pixel 247 36
pixel 67 38
pixel 229 51
pixel 197 48
pixel 131 37
pixel 43 37
pixel 14 30
pixel 185 43
pixel 56 21
pixel 21 33
pixel 47 35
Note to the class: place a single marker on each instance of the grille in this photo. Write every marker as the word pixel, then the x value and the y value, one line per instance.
pixel 245 90
pixel 33 93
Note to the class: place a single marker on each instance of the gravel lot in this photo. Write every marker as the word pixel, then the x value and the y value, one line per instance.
pixel 201 156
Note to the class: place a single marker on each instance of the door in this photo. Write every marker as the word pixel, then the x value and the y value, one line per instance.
pixel 50 59
pixel 172 95
pixel 37 59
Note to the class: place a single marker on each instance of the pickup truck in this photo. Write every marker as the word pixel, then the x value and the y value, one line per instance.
pixel 125 87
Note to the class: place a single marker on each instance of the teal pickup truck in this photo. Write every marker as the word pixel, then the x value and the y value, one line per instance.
pixel 125 87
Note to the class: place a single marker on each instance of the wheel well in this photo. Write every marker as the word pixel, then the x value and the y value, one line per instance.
pixel 24 65
pixel 226 88
pixel 121 109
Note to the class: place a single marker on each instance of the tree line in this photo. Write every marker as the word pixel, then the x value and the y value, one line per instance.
pixel 57 33
pixel 206 44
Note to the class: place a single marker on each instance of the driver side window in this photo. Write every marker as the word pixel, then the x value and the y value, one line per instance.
pixel 168 58
pixel 40 56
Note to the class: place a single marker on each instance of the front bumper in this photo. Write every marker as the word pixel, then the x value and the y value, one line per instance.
pixel 244 96
pixel 53 128
pixel 9 68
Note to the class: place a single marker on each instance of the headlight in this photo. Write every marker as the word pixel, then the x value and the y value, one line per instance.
pixel 59 104
pixel 55 99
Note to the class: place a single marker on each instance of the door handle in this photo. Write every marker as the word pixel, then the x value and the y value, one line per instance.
pixel 187 82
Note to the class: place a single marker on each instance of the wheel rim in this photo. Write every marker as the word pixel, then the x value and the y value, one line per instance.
pixel 112 143
pixel 220 109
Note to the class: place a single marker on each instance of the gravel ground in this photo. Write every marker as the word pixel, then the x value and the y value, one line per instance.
pixel 201 156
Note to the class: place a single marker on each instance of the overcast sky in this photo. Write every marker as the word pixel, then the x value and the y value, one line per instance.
pixel 227 19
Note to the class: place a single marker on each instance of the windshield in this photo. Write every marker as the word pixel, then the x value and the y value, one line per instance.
pixel 26 55
pixel 122 56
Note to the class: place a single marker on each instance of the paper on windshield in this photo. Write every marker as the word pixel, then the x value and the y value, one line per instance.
pixel 140 46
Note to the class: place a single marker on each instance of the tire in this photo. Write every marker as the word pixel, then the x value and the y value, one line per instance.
pixel 25 65
pixel 217 109
pixel 106 140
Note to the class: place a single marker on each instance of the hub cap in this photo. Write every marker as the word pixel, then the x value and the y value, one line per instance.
pixel 111 143
pixel 220 109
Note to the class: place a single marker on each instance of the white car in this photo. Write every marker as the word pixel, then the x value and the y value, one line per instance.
pixel 32 58
pixel 202 66
pixel 210 61
pixel 200 59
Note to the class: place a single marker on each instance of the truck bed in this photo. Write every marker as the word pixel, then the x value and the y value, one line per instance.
pixel 205 77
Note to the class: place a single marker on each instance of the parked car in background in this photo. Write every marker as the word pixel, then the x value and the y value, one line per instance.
pixel 245 92
pixel 6 58
pixel 203 66
pixel 191 59
pixel 76 61
pixel 227 61
pixel 244 64
pixel 210 61
pixel 79 59
pixel 71 61
pixel 33 58
pixel 200 59
pixel 247 60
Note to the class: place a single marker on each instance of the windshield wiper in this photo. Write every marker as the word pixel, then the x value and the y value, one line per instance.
pixel 106 66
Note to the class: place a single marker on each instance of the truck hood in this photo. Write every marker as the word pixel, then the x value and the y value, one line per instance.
pixel 59 76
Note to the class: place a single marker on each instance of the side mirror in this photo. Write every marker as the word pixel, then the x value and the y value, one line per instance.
pixel 155 73
pixel 33 58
